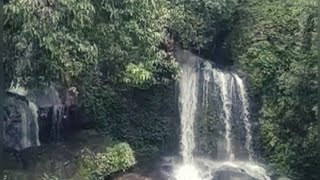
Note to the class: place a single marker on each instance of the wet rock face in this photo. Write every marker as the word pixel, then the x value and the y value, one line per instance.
pixel 230 173
pixel 58 112
pixel 45 124
pixel 162 169
pixel 20 128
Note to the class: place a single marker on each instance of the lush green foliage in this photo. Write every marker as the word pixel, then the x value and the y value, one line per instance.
pixel 121 39
pixel 198 24
pixel 147 119
pixel 276 45
pixel 124 40
pixel 45 41
pixel 98 165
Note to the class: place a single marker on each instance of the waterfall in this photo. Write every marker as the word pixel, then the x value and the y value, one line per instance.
pixel 222 96
pixel 188 99
pixel 225 83
pixel 188 84
pixel 230 85
pixel 245 115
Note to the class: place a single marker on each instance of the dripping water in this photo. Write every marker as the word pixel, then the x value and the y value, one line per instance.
pixel 34 110
pixel 57 118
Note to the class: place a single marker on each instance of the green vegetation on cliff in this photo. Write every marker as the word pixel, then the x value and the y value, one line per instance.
pixel 275 43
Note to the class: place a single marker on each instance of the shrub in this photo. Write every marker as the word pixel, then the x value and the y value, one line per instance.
pixel 120 157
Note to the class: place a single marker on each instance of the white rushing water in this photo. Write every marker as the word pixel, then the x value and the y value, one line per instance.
pixel 245 115
pixel 188 84
pixel 25 130
pixel 250 168
pixel 187 172
pixel 34 110
pixel 225 84
pixel 205 87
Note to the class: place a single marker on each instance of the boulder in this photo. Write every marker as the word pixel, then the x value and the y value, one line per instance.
pixel 231 173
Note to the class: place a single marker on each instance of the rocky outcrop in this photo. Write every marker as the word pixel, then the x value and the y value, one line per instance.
pixel 38 115
pixel 230 173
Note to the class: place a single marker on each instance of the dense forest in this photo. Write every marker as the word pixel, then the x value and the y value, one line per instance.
pixel 118 56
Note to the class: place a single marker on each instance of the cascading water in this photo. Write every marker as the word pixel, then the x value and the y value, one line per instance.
pixel 230 93
pixel 188 100
pixel 245 115
pixel 188 86
pixel 25 131
pixel 205 89
pixel 225 83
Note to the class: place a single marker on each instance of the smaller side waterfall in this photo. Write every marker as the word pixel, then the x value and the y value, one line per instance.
pixel 21 121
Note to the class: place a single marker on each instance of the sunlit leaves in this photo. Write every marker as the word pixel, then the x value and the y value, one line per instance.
pixel 136 74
